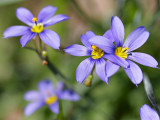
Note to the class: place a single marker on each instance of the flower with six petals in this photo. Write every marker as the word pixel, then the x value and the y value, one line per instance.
pixel 36 26
pixel 48 95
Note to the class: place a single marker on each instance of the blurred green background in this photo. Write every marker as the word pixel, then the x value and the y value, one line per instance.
pixel 21 69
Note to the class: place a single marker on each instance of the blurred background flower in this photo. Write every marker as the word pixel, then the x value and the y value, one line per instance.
pixel 21 69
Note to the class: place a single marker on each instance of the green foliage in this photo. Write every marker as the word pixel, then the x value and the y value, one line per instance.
pixel 7 2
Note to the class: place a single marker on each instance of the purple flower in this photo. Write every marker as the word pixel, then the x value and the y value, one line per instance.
pixel 48 95
pixel 121 54
pixel 36 26
pixel 147 113
pixel 95 58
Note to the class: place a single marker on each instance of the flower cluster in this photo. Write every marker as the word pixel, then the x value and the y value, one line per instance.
pixel 106 54
pixel 96 58
pixel 48 95
pixel 110 46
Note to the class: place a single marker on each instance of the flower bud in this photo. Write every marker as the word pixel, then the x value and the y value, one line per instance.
pixel 44 53
pixel 88 81
pixel 44 62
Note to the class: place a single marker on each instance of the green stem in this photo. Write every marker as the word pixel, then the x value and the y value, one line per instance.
pixel 53 69
pixel 60 115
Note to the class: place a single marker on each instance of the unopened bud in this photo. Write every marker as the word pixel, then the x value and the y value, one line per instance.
pixel 44 53
pixel 44 62
pixel 88 81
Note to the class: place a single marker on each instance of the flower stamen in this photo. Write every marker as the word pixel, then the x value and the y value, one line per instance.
pixel 97 52
pixel 122 52
pixel 37 28
pixel 34 19
pixel 51 99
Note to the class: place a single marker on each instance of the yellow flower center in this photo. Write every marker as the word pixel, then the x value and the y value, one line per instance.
pixel 37 28
pixel 51 100
pixel 34 19
pixel 122 52
pixel 97 52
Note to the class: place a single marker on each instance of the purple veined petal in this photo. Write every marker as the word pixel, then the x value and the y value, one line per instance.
pixel 111 68
pixel 100 69
pixel 108 34
pixel 25 16
pixel 117 31
pixel 56 19
pixel 46 13
pixel 46 88
pixel 136 38
pixel 85 39
pixel 69 95
pixel 32 107
pixel 103 43
pixel 54 107
pixel 117 60
pixel 134 73
pixel 147 113
pixel 15 31
pixel 77 50
pixel 27 37
pixel 144 59
pixel 84 69
pixel 50 38
pixel 33 96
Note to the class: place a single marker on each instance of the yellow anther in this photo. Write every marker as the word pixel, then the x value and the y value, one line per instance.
pixel 97 52
pixel 37 28
pixel 94 47
pixel 122 52
pixel 34 19
pixel 51 100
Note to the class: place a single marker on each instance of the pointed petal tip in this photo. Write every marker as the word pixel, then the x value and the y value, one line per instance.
pixel 136 38
pixel 144 59
pixel 79 82
pixel 67 17
pixel 157 67
pixel 4 37
pixel 107 80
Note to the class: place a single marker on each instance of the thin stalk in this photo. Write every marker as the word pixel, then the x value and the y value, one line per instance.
pixel 36 44
pixel 60 115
